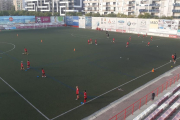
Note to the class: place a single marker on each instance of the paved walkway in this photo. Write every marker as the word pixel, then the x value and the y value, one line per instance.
pixel 114 108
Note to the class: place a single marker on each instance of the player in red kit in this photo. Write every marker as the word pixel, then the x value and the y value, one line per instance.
pixel 148 44
pixel 151 38
pixel 28 64
pixel 77 92
pixel 130 38
pixel 172 57
pixel 113 40
pixel 85 96
pixel 43 73
pixel 95 42
pixel 127 44
pixel 25 51
pixel 143 36
pixel 138 35
pixel 90 41
pixel 22 66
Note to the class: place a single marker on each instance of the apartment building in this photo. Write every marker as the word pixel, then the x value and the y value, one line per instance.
pixel 133 7
pixel 6 5
pixel 176 8
pixel 60 6
pixel 19 4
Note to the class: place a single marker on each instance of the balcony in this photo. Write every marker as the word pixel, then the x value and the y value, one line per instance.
pixel 154 11
pixel 91 6
pixel 130 10
pixel 130 4
pixel 176 11
pixel 108 11
pixel 154 5
pixel 91 10
pixel 143 10
pixel 176 4
pixel 90 2
pixel 109 5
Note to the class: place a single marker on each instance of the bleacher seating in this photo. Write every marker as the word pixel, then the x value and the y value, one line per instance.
pixel 163 103
pixel 177 116
pixel 170 110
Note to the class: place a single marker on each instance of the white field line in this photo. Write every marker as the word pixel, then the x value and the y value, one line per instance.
pixel 110 90
pixel 24 99
pixel 10 49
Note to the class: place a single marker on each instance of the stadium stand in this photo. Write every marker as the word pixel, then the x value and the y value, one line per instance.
pixel 177 116
pixel 161 104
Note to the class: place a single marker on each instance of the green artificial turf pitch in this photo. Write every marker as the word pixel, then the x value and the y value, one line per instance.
pixel 95 68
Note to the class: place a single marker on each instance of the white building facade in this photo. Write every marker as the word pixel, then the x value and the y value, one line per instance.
pixel 60 6
pixel 133 7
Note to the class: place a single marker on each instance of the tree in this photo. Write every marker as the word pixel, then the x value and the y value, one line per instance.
pixel 140 16
pixel 13 8
pixel 95 15
pixel 121 15
pixel 1 14
pixel 147 15
pixel 5 13
pixel 56 14
pixel 111 15
pixel 79 14
pixel 88 14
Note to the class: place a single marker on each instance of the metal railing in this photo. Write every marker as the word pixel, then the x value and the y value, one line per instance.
pixel 138 104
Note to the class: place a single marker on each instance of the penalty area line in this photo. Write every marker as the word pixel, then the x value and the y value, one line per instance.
pixel 24 99
pixel 111 90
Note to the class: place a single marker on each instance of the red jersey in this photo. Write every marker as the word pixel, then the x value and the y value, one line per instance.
pixel 129 37
pixel 25 49
pixel 28 63
pixel 88 41
pixel 138 34
pixel 43 71
pixel 127 43
pixel 21 64
pixel 151 37
pixel 143 35
pixel 95 41
pixel 148 43
pixel 113 39
pixel 172 56
pixel 85 95
pixel 77 90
